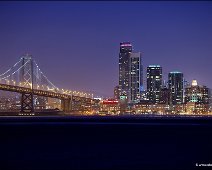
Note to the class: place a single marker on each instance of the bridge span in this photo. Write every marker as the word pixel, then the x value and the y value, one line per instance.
pixel 26 78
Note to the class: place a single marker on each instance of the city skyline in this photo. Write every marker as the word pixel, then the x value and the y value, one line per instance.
pixel 55 41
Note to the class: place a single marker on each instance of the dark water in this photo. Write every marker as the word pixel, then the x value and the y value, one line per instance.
pixel 104 143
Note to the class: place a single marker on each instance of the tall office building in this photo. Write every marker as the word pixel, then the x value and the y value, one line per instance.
pixel 185 85
pixel 135 77
pixel 154 83
pixel 124 56
pixel 175 87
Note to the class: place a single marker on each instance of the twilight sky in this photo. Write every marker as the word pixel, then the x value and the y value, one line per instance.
pixel 76 44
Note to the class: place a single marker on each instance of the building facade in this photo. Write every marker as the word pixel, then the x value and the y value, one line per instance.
pixel 130 74
pixel 154 83
pixel 197 98
pixel 116 92
pixel 124 55
pixel 164 95
pixel 175 81
pixel 135 77
pixel 196 93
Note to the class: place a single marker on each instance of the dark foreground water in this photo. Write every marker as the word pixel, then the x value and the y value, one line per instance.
pixel 55 143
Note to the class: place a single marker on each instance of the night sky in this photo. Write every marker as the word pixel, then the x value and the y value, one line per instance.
pixel 76 44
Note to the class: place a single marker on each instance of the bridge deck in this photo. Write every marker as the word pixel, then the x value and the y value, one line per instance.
pixel 37 92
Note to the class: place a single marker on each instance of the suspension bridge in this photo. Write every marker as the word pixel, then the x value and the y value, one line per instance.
pixel 25 77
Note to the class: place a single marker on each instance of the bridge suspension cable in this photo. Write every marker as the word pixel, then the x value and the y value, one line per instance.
pixel 45 76
pixel 11 68
pixel 14 71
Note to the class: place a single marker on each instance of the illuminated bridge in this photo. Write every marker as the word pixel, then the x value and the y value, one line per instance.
pixel 26 78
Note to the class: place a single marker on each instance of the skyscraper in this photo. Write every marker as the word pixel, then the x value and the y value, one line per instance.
pixel 175 87
pixel 124 56
pixel 135 77
pixel 154 83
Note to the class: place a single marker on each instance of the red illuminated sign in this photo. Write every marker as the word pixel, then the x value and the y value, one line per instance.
pixel 110 101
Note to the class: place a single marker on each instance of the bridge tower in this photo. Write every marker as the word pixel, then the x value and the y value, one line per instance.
pixel 66 105
pixel 26 78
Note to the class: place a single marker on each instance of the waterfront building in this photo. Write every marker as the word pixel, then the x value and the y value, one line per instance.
pixel 196 93
pixel 146 107
pixel 130 75
pixel 116 92
pixel 175 83
pixel 197 98
pixel 124 55
pixel 164 95
pixel 143 95
pixel 154 83
pixel 135 77
pixel 109 106
pixel 185 85
pixel 40 102
pixel 53 103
